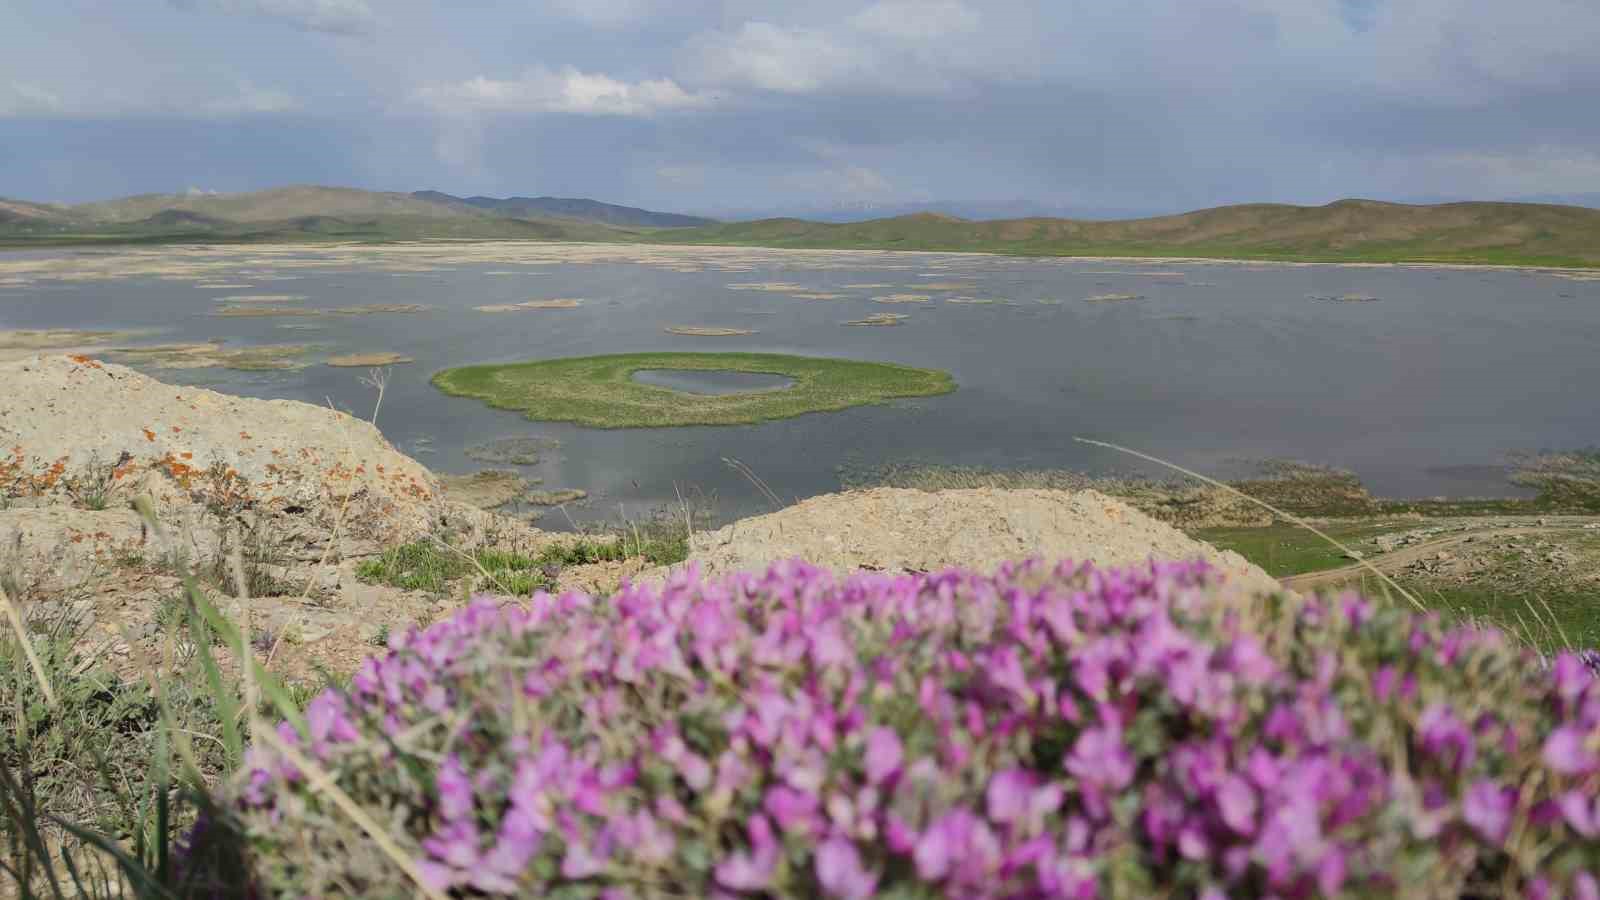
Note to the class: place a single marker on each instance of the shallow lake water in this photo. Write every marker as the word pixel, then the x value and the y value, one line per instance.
pixel 1423 392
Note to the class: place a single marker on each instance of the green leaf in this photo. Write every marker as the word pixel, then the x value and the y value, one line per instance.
pixel 268 684
pixel 224 695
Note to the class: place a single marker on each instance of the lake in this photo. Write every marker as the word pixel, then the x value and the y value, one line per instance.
pixel 1420 380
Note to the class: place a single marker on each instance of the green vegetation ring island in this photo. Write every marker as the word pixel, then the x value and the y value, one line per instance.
pixel 599 391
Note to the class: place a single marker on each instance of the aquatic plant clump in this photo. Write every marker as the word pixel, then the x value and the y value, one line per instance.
pixel 1045 732
pixel 706 331
pixel 880 320
pixel 600 391
pixel 366 360
pixel 516 451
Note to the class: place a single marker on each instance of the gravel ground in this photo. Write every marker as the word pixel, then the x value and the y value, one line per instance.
pixel 891 529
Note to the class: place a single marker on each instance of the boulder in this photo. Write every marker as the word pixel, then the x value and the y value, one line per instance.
pixel 900 530
pixel 71 425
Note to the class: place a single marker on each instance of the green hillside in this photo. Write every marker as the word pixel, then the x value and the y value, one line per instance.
pixel 280 214
pixel 274 205
pixel 1346 231
pixel 1349 231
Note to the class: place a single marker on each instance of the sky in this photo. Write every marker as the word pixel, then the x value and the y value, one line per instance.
pixel 730 106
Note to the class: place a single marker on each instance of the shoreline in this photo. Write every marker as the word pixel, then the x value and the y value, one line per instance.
pixel 24 247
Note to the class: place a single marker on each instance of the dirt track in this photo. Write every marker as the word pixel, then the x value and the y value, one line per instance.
pixel 1397 560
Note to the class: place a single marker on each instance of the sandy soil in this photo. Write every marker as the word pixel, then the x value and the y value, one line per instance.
pixel 890 529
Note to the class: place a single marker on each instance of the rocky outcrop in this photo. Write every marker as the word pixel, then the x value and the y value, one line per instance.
pixel 298 493
pixel 71 425
pixel 900 530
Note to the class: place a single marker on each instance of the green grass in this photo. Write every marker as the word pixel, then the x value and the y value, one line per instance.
pixel 1548 616
pixel 96 742
pixel 659 541
pixel 432 567
pixel 1550 619
pixel 598 391
pixel 1285 549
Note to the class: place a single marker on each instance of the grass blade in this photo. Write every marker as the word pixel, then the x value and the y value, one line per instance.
pixel 264 680
pixel 23 815
pixel 1270 508
pixel 163 785
pixel 132 869
pixel 227 702
pixel 15 618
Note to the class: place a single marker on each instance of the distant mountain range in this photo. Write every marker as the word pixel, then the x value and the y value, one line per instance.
pixel 866 210
pixel 577 210
pixel 306 211
pixel 1347 230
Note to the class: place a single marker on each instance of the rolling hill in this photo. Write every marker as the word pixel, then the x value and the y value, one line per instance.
pixel 309 212
pixel 1348 230
pixel 1345 231
pixel 274 205
pixel 568 208
pixel 23 213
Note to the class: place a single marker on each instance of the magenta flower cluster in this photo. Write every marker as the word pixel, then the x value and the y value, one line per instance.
pixel 1044 732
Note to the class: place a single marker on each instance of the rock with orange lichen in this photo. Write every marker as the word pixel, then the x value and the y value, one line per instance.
pixel 70 425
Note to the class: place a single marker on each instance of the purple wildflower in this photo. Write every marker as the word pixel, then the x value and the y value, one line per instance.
pixel 1487 808
pixel 840 872
pixel 883 755
pixel 1045 719
pixel 1567 751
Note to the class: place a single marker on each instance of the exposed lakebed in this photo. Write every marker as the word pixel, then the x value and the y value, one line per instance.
pixel 1423 392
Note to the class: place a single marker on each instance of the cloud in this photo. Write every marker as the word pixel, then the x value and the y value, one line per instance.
pixel 688 176
pixel 842 182
pixel 250 100
pixel 1539 170
pixel 769 57
pixel 459 145
pixel 346 17
pixel 567 90
pixel 610 13
pixel 916 20
pixel 1135 104
pixel 23 99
